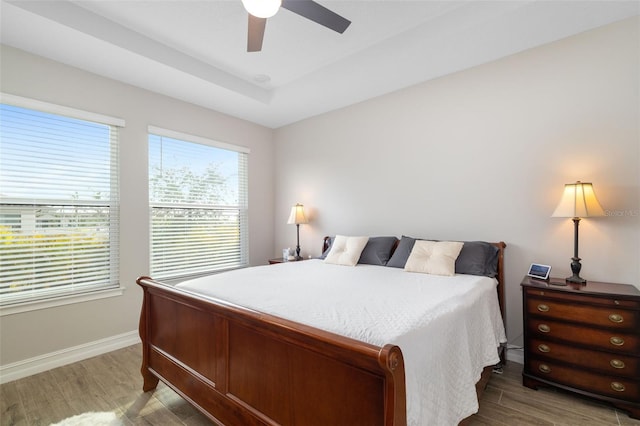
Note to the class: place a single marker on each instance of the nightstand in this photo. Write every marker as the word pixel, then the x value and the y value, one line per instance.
pixel 282 260
pixel 583 338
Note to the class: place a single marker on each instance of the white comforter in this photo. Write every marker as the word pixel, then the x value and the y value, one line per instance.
pixel 448 328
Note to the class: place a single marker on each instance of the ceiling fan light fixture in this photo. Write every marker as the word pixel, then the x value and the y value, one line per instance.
pixel 262 8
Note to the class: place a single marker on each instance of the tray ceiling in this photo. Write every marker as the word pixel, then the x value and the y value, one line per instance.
pixel 196 50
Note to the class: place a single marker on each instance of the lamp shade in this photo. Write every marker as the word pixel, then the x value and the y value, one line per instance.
pixel 297 215
pixel 578 200
pixel 262 8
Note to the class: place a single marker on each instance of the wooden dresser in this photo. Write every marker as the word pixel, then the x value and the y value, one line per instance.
pixel 584 339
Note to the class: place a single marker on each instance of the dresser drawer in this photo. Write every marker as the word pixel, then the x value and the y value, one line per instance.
pixel 605 300
pixel 614 387
pixel 608 340
pixel 612 364
pixel 612 317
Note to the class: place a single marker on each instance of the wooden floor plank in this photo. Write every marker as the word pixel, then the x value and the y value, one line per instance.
pixel 42 400
pixel 11 409
pixel 49 411
pixel 498 414
pixel 81 389
pixel 627 421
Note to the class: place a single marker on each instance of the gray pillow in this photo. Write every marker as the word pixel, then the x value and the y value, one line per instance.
pixel 475 258
pixel 400 256
pixel 478 258
pixel 329 244
pixel 377 251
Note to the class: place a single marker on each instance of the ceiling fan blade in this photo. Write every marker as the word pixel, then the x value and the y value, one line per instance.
pixel 317 13
pixel 255 33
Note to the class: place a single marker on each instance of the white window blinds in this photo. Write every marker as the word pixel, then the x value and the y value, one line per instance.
pixel 198 202
pixel 58 202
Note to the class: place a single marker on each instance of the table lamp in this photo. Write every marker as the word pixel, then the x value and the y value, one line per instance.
pixel 297 217
pixel 578 201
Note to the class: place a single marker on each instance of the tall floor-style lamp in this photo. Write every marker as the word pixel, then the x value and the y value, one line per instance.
pixel 297 217
pixel 578 201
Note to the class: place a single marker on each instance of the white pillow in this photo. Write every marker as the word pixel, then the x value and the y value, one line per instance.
pixel 434 257
pixel 346 250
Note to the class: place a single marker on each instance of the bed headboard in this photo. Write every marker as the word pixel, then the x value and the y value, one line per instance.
pixel 500 275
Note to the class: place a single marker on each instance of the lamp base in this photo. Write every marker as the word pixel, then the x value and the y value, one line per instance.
pixel 576 279
pixel 575 268
pixel 298 257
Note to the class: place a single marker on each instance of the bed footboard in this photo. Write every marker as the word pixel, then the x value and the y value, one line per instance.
pixel 241 367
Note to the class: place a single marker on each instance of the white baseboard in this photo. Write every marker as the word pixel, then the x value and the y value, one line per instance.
pixel 515 355
pixel 38 364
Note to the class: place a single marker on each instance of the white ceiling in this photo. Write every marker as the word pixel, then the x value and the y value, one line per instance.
pixel 195 50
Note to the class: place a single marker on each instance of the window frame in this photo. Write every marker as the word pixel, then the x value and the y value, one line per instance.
pixel 242 207
pixel 65 298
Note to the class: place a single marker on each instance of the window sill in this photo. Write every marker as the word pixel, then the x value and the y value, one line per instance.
pixel 60 301
pixel 181 278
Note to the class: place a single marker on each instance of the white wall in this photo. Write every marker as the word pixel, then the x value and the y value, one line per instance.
pixel 24 336
pixel 483 155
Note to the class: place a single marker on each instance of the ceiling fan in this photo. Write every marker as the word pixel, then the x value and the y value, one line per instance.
pixel 260 10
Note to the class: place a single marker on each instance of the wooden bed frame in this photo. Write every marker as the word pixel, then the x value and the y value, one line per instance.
pixel 242 367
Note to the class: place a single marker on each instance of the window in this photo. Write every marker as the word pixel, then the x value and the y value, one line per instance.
pixel 198 202
pixel 58 201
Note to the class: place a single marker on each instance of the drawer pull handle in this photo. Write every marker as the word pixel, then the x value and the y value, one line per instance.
pixel 616 341
pixel 616 363
pixel 546 369
pixel 616 318
pixel 545 329
pixel 545 308
pixel 544 348
pixel 617 386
